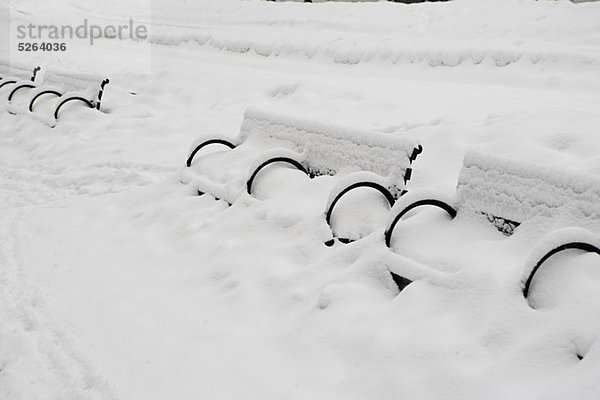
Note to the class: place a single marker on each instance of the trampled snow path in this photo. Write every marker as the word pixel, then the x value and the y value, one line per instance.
pixel 42 184
pixel 38 358
pixel 38 361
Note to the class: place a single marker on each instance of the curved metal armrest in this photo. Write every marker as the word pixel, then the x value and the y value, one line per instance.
pixel 424 202
pixel 279 159
pixel 205 143
pixel 82 99
pixel 590 248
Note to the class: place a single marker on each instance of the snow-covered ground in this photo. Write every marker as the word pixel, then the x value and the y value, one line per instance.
pixel 118 282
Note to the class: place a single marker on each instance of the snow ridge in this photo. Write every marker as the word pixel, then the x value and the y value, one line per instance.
pixel 391 55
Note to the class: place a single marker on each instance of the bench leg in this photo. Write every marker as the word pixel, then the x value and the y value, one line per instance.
pixel 374 185
pixel 400 281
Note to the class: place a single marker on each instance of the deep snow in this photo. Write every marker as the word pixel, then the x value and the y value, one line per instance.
pixel 117 281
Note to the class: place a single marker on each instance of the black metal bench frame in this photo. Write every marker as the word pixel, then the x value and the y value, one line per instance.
pixel 305 168
pixel 503 225
pixel 19 86
pixel 92 101
pixel 361 184
pixel 10 80
pixel 584 246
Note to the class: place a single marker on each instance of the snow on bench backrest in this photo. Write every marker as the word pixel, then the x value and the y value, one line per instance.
pixel 11 70
pixel 510 192
pixel 329 149
pixel 74 82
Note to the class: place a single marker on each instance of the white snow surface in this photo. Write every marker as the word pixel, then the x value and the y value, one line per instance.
pixel 118 282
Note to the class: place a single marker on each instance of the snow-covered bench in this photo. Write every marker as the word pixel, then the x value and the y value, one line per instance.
pixel 17 75
pixel 67 87
pixel 507 193
pixel 365 158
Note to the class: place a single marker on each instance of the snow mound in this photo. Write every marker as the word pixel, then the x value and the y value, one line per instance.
pixel 554 240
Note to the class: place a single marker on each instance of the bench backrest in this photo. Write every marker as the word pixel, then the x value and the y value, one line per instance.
pixel 74 82
pixel 328 149
pixel 510 192
pixel 17 71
